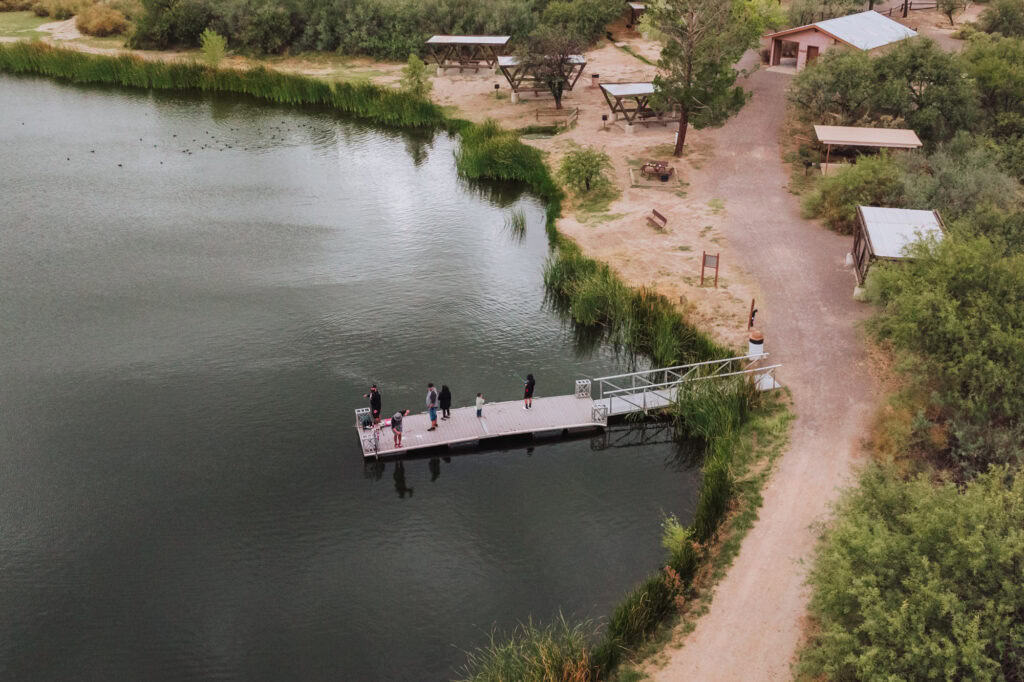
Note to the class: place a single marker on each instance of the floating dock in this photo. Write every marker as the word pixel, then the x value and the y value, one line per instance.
pixel 642 391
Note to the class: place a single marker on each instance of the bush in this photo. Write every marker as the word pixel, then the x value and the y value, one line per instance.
pixel 16 5
pixel 415 78
pixel 956 311
pixel 1003 16
pixel 58 10
pixel 641 612
pixel 533 653
pixel 213 47
pixel 584 169
pixel 101 20
pixel 872 181
pixel 916 581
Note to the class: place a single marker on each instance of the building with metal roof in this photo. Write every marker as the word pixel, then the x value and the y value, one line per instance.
pixel 801 45
pixel 885 233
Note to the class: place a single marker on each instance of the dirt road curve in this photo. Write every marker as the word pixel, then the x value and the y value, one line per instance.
pixel 810 321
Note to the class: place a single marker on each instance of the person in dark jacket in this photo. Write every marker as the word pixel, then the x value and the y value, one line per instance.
pixel 375 403
pixel 528 391
pixel 445 400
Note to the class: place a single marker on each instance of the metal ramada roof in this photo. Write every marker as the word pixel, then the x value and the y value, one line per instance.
pixel 899 138
pixel 628 89
pixel 890 230
pixel 468 40
pixel 865 30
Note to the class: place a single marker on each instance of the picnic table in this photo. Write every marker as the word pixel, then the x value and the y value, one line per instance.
pixel 659 169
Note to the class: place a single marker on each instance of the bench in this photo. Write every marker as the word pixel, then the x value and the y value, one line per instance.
pixel 659 221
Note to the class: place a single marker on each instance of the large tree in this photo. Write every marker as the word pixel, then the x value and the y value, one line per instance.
pixel 547 56
pixel 702 41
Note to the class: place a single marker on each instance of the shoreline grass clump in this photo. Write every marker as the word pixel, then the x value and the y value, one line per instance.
pixel 534 653
pixel 360 100
pixel 515 224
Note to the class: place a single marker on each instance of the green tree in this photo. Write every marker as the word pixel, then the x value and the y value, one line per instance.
pixel 415 77
pixel 927 88
pixel 213 47
pixel 915 581
pixel 808 11
pixel 951 7
pixel 997 67
pixel 584 169
pixel 703 39
pixel 548 53
pixel 838 88
pixel 1003 16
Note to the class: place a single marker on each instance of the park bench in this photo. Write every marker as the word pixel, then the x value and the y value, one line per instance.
pixel 659 221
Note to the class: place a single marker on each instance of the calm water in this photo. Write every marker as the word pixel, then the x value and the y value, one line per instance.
pixel 194 294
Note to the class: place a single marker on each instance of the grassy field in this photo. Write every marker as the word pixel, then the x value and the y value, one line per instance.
pixel 21 24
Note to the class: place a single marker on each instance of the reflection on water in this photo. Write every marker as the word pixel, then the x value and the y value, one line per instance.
pixel 195 293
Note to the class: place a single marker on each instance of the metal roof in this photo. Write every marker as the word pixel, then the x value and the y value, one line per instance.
pixel 468 40
pixel 900 138
pixel 512 60
pixel 628 89
pixel 890 230
pixel 866 30
pixel 637 5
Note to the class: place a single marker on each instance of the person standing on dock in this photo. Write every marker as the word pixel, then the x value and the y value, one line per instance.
pixel 479 405
pixel 432 406
pixel 375 403
pixel 445 399
pixel 528 391
pixel 396 426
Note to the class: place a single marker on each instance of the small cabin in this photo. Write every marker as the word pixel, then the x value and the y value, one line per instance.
pixel 884 233
pixel 798 47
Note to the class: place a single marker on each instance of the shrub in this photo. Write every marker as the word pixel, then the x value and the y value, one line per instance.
pixel 916 581
pixel 56 9
pixel 101 20
pixel 16 5
pixel 956 311
pixel 584 169
pixel 872 181
pixel 533 653
pixel 1003 16
pixel 213 47
pixel 641 612
pixel 838 88
pixel 415 77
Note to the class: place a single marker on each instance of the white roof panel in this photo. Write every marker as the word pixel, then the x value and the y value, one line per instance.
pixel 866 30
pixel 638 6
pixel 891 229
pixel 468 40
pixel 900 138
pixel 512 60
pixel 628 89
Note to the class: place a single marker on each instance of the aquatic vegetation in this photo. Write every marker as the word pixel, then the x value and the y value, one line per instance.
pixel 515 224
pixel 360 100
pixel 534 653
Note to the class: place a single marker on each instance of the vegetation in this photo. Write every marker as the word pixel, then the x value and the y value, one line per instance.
pixel 916 581
pixel 100 20
pixel 415 78
pixel 914 85
pixel 702 41
pixel 950 8
pixel 385 30
pixel 360 100
pixel 534 653
pixel 213 47
pixel 584 169
pixel 803 12
pixel 872 181
pixel 56 9
pixel 547 54
pixel 1005 17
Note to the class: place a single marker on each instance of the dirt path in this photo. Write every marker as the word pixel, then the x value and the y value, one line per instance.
pixel 810 321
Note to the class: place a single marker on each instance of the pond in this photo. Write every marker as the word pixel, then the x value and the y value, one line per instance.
pixel 195 292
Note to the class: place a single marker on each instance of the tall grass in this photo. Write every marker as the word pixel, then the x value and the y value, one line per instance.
pixel 360 100
pixel 515 224
pixel 557 652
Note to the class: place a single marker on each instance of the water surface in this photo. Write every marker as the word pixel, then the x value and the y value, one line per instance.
pixel 194 294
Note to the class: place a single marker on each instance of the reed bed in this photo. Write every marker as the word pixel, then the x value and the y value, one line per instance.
pixel 359 100
pixel 557 652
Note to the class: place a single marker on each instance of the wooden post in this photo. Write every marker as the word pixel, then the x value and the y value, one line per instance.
pixel 707 260
pixel 703 257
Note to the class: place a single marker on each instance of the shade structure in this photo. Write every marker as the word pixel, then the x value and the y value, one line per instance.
pixel 866 30
pixel 852 136
pixel 886 232
pixel 520 76
pixel 631 101
pixel 466 52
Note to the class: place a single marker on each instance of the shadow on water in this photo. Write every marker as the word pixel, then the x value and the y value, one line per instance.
pixel 686 454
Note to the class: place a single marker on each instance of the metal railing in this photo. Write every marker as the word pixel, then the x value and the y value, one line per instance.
pixel 655 388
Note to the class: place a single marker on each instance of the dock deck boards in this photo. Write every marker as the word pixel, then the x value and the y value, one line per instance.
pixel 499 419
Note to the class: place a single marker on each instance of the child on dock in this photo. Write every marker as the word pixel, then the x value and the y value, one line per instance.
pixel 396 426
pixel 432 406
pixel 528 391
pixel 479 404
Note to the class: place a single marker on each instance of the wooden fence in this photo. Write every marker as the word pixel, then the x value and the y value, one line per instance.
pixel 568 116
pixel 910 6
